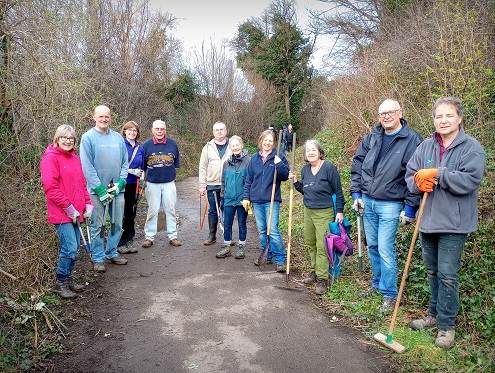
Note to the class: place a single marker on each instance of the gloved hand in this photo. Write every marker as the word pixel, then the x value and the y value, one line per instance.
pixel 88 211
pixel 408 215
pixel 425 173
pixel 117 188
pixel 427 185
pixel 357 204
pixel 135 171
pixel 72 213
pixel 246 204
pixel 103 195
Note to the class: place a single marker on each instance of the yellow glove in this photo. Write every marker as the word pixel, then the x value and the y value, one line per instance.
pixel 246 204
pixel 427 185
pixel 423 174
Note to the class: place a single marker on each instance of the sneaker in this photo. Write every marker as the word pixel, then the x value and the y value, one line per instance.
pixel 241 252
pixel 99 267
pixel 321 286
pixel 370 291
pixel 445 339
pixel 147 243
pixel 424 323
pixel 124 249
pixel 311 279
pixel 130 246
pixel 282 267
pixel 388 305
pixel 268 261
pixel 224 252
pixel 119 260
pixel 175 242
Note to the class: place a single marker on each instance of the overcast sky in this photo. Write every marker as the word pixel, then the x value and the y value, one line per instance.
pixel 202 20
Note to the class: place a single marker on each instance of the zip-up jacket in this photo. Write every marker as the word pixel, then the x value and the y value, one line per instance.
pixel 234 178
pixel 259 180
pixel 387 183
pixel 63 183
pixel 452 206
pixel 210 164
pixel 137 162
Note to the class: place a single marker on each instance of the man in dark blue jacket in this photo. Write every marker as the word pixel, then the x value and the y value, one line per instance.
pixel 380 193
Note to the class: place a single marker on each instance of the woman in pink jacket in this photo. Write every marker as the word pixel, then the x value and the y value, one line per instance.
pixel 67 200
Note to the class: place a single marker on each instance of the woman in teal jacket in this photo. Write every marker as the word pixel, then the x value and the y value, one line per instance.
pixel 233 179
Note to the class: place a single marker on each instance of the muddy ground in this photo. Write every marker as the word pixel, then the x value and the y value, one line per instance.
pixel 179 309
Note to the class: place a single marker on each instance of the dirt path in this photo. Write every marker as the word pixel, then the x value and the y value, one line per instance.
pixel 179 309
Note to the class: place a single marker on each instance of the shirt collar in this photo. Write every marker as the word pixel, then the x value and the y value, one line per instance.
pixel 155 141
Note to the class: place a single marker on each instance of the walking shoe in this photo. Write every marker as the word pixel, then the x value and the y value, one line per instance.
pixel 445 339
pixel 282 267
pixel 175 242
pixel 241 252
pixel 147 243
pixel 73 286
pixel 119 260
pixel 99 267
pixel 268 261
pixel 124 249
pixel 62 289
pixel 130 246
pixel 424 323
pixel 388 305
pixel 311 279
pixel 370 291
pixel 224 252
pixel 321 286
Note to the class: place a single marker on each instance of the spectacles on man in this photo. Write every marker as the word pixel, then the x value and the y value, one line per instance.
pixel 159 129
pixel 390 113
pixel 66 138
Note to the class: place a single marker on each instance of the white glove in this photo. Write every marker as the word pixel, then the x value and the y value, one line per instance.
pixel 72 213
pixel 135 171
pixel 358 205
pixel 88 211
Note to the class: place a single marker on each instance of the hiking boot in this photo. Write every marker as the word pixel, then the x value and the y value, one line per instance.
pixel 388 305
pixel 224 252
pixel 445 339
pixel 424 323
pixel 124 249
pixel 241 252
pixel 321 286
pixel 268 261
pixel 282 267
pixel 369 292
pixel 147 243
pixel 119 260
pixel 212 236
pixel 130 247
pixel 175 242
pixel 73 286
pixel 99 267
pixel 311 279
pixel 62 289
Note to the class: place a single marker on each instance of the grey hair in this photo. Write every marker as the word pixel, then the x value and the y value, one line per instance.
pixel 238 138
pixel 317 145
pixel 61 131
pixel 452 101
pixel 157 122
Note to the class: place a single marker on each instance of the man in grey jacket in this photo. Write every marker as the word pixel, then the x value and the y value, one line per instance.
pixel 379 192
pixel 213 156
pixel 449 167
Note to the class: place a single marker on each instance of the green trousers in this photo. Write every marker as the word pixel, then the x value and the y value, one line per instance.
pixel 315 226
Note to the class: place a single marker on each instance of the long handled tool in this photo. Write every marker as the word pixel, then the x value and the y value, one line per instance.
pixel 88 230
pixel 264 254
pixel 219 212
pixel 202 219
pixel 87 247
pixel 360 249
pixel 140 185
pixel 387 341
pixel 112 218
pixel 102 229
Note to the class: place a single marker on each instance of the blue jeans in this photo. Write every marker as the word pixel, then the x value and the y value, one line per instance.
pixel 97 221
pixel 212 208
pixel 70 237
pixel 276 248
pixel 161 194
pixel 442 254
pixel 229 213
pixel 381 219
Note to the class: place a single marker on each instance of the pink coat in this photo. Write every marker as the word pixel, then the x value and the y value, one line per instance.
pixel 63 183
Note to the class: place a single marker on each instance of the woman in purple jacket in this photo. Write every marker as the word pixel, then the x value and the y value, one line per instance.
pixel 67 200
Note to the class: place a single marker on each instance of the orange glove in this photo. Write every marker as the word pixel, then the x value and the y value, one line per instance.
pixel 425 173
pixel 427 185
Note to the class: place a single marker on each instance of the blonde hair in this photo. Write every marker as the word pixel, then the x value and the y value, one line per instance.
pixel 265 134
pixel 131 124
pixel 62 131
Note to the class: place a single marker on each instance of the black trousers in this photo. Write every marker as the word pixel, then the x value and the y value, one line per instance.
pixel 129 214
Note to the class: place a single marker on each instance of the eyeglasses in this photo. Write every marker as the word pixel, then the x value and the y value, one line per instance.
pixel 219 129
pixel 65 138
pixel 390 113
pixel 159 129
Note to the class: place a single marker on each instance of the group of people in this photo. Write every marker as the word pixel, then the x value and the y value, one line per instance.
pixel 392 171
pixel 105 181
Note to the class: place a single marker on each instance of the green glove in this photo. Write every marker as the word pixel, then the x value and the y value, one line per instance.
pixel 117 188
pixel 102 194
